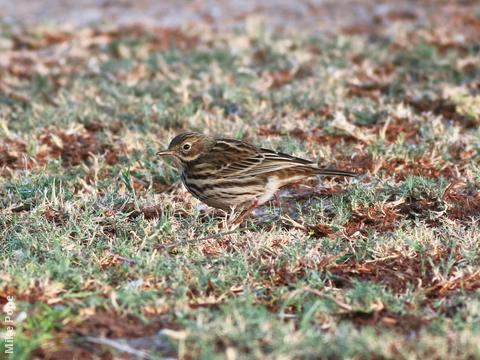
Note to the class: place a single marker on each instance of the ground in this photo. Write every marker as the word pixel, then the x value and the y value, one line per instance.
pixel 105 255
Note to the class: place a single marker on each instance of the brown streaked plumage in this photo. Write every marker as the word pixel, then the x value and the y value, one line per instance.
pixel 229 173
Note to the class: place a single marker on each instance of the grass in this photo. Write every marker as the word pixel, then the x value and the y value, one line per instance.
pixel 100 242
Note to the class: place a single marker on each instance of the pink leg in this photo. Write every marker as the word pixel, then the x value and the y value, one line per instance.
pixel 245 212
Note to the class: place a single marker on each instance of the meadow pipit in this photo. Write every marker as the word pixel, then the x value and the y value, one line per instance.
pixel 232 174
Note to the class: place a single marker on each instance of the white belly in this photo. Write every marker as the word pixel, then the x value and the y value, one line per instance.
pixel 273 184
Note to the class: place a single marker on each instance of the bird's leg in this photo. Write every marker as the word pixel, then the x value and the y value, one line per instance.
pixel 245 212
pixel 277 199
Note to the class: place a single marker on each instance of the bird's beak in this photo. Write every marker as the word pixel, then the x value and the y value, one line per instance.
pixel 165 152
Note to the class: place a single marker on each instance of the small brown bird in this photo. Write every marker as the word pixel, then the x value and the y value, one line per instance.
pixel 229 173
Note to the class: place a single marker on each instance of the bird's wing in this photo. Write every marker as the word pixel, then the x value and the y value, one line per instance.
pixel 239 159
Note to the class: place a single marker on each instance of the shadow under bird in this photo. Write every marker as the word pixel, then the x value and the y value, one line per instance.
pixel 232 174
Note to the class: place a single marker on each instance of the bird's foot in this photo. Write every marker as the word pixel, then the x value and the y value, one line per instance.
pixel 238 220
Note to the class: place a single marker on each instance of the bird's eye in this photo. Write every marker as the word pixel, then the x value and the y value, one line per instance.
pixel 186 147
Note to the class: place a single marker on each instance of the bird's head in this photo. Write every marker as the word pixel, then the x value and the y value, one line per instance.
pixel 187 147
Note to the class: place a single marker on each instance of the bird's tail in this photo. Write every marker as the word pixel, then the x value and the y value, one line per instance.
pixel 321 171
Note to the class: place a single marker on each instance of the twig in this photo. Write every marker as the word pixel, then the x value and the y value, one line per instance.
pixel 449 187
pixel 318 293
pixel 321 295
pixel 391 257
pixel 294 223
pixel 127 260
pixel 119 346
pixel 325 263
pixel 198 239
